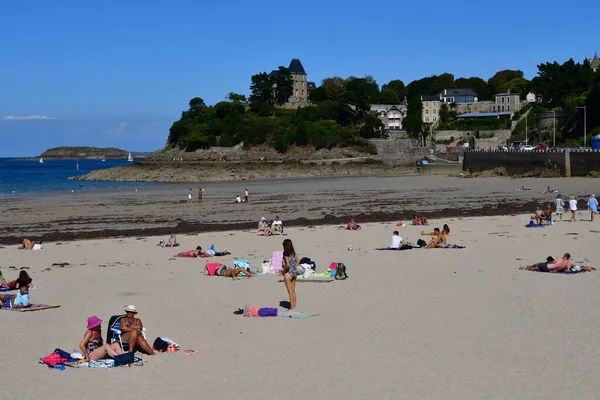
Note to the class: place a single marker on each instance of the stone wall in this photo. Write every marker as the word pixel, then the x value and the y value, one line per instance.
pixel 399 152
pixel 572 163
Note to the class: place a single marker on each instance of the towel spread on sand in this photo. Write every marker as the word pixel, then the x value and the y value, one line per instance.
pixel 5 289
pixel 295 314
pixel 32 307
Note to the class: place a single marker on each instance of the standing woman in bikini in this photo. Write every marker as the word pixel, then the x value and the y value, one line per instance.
pixel 290 262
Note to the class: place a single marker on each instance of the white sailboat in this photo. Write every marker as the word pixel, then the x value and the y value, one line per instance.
pixel 41 160
pixel 103 159
pixel 130 158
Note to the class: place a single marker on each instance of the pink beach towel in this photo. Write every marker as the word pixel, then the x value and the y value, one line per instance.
pixel 211 268
pixel 276 262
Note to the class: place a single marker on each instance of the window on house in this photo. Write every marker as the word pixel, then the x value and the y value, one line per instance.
pixel 434 111
pixel 426 104
pixel 426 112
pixel 507 108
pixel 502 108
pixel 296 93
pixel 302 92
pixel 503 99
pixel 434 118
pixel 426 119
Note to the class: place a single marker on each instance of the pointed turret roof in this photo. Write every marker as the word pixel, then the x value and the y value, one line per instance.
pixel 296 67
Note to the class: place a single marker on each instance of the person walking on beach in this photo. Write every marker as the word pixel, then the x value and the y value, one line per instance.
pixel 190 196
pixel 593 206
pixel 560 206
pixel 245 195
pixel 290 263
pixel 200 192
pixel 573 208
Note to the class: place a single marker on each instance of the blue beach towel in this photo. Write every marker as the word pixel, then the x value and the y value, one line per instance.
pixel 532 224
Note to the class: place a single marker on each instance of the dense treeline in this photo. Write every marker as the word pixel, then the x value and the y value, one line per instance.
pixel 339 114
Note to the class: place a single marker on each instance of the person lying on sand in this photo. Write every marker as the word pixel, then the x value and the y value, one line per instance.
pixel 210 252
pixel 190 253
pixel 352 226
pixel 226 271
pixel 19 300
pixel 563 264
pixel 30 245
pixel 420 220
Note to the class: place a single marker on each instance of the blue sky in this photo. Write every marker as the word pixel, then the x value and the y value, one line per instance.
pixel 117 73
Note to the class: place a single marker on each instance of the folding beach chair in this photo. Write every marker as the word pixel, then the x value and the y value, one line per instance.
pixel 114 333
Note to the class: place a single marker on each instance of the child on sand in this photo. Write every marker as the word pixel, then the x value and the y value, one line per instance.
pixel 573 208
pixel 560 206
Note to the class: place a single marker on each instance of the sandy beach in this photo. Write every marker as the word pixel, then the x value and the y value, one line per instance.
pixel 435 324
pixel 438 324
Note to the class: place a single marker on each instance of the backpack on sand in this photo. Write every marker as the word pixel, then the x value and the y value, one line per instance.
pixel 340 272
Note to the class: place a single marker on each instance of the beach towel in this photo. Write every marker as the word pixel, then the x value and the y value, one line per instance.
pixel 532 224
pixel 451 246
pixel 5 289
pixel 562 273
pixel 240 263
pixel 295 314
pixel 32 307
pixel 276 262
pixel 398 249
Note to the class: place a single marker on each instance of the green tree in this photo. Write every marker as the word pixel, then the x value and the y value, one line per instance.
pixel 389 96
pixel 500 79
pixel 236 98
pixel 334 88
pixel 282 84
pixel 398 87
pixel 361 93
pixel 479 86
pixel 441 82
pixel 420 87
pixel 372 127
pixel 262 89
pixel 413 125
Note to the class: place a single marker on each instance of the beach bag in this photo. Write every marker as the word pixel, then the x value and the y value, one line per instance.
pixel 160 345
pixel 125 359
pixel 266 266
pixel 308 261
pixel 421 243
pixel 53 359
pixel 340 272
pixel 308 273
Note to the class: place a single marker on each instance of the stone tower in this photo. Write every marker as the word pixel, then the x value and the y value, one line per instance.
pixel 594 62
pixel 299 95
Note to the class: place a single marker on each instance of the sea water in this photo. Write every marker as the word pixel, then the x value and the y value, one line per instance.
pixel 30 177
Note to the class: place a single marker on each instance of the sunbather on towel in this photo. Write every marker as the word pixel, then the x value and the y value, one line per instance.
pixel 92 346
pixel 563 264
pixel 232 273
pixel 191 253
pixel 29 244
pixel 172 242
pixel 19 300
pixel 210 252
pixel 23 280
pixel 397 241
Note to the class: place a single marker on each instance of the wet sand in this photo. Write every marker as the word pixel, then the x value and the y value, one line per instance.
pixel 162 209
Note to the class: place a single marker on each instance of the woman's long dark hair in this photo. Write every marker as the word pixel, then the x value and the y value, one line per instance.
pixel 288 248
pixel 446 229
pixel 24 279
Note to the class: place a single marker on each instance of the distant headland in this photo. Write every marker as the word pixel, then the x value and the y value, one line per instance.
pixel 89 153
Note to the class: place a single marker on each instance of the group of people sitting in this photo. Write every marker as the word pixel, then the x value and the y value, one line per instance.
pixel 553 265
pixel 171 242
pixel 540 216
pixel 269 229
pixel 438 238
pixel 210 252
pixel 93 347
pixel 422 220
pixel 20 299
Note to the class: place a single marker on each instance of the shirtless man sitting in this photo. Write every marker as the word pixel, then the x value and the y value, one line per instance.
pixel 437 238
pixel 563 264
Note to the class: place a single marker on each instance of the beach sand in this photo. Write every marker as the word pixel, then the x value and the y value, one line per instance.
pixel 417 324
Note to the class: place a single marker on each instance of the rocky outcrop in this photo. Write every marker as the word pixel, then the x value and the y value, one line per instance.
pixel 189 171
pixel 82 153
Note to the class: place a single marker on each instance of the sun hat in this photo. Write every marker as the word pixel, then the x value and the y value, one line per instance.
pixel 263 219
pixel 93 322
pixel 593 195
pixel 130 308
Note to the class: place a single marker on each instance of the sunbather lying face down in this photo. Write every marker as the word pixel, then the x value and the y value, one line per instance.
pixel 224 270
pixel 191 253
pixel 563 264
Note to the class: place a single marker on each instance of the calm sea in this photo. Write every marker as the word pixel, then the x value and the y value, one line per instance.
pixel 24 177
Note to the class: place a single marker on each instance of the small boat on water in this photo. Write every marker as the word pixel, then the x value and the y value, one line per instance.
pixel 103 159
pixel 41 160
pixel 130 158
